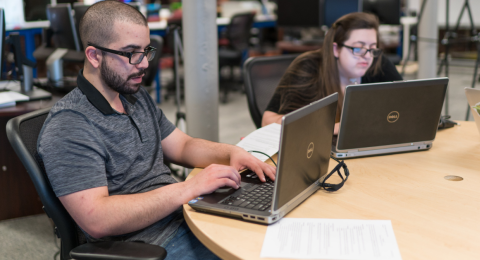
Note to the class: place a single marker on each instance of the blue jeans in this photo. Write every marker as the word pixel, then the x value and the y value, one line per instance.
pixel 185 246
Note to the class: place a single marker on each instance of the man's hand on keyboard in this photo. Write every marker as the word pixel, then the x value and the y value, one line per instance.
pixel 213 177
pixel 241 159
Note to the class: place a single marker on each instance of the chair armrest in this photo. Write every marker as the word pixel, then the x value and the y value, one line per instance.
pixel 118 250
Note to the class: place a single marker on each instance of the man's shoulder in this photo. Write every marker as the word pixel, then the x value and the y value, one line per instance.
pixel 73 101
pixel 74 105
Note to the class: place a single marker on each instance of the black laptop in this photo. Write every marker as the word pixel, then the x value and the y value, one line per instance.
pixel 390 117
pixel 303 159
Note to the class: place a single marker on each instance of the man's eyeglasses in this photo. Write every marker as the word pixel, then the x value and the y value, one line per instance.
pixel 361 51
pixel 134 57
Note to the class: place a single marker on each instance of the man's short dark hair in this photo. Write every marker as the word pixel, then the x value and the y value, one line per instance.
pixel 96 25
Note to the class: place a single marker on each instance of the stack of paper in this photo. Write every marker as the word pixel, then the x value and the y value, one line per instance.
pixel 9 98
pixel 265 139
pixel 309 238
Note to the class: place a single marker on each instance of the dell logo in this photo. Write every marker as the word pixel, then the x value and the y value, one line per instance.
pixel 393 116
pixel 310 150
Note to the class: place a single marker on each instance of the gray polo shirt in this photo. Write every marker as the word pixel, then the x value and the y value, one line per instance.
pixel 85 144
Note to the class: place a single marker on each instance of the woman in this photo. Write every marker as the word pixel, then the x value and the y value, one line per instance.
pixel 349 55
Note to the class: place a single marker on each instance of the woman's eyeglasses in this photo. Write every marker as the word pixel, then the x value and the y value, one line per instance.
pixel 134 57
pixel 362 51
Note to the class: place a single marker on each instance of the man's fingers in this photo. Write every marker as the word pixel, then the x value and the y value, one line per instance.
pixel 270 171
pixel 259 171
pixel 229 183
pixel 222 171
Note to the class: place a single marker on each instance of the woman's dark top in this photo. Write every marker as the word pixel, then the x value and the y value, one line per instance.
pixel 313 59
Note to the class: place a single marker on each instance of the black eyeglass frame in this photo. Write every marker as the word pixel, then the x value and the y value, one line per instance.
pixel 379 51
pixel 129 55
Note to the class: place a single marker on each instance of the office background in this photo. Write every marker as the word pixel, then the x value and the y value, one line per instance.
pixel 32 237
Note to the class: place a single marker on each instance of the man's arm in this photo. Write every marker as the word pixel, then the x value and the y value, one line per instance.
pixel 183 149
pixel 100 214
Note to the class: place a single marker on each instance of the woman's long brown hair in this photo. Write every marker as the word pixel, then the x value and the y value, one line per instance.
pixel 314 75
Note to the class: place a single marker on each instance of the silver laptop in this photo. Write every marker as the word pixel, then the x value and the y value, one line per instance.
pixel 303 159
pixel 473 97
pixel 390 117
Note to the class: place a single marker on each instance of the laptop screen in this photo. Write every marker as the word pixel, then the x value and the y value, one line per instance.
pixel 304 148
pixel 391 113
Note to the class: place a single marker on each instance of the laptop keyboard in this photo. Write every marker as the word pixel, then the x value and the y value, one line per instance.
pixel 253 196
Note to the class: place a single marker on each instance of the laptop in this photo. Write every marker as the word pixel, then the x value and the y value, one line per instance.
pixel 389 117
pixel 303 158
pixel 473 97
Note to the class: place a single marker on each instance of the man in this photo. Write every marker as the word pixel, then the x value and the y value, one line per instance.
pixel 103 144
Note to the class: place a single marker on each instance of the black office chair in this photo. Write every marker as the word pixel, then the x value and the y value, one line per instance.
pixel 152 70
pixel 22 132
pixel 261 78
pixel 238 36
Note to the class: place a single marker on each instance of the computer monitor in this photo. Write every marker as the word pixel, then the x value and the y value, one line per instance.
pixel 35 10
pixel 67 1
pixel 388 11
pixel 314 13
pixel 334 9
pixel 80 9
pixel 2 40
pixel 63 27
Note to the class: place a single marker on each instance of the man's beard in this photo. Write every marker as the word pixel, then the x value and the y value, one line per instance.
pixel 116 82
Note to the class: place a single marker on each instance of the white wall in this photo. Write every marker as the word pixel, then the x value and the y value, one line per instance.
pixel 13 13
pixel 455 7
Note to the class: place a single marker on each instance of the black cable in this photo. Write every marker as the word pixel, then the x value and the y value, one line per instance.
pixel 265 155
pixel 335 187
pixel 326 186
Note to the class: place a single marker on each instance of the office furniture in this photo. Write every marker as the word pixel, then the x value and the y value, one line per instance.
pixel 432 217
pixel 17 194
pixel 22 132
pixel 261 78
pixel 30 29
pixel 63 27
pixel 297 47
pixel 29 35
pixel 79 10
pixel 153 69
pixel 238 37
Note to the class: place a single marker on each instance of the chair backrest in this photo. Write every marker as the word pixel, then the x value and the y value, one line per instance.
pixel 22 133
pixel 261 78
pixel 238 30
pixel 157 42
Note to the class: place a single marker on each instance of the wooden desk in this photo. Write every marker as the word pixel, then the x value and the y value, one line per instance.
pixel 18 196
pixel 291 47
pixel 432 218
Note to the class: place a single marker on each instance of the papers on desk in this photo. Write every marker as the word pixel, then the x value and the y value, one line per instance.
pixel 265 139
pixel 308 238
pixel 9 98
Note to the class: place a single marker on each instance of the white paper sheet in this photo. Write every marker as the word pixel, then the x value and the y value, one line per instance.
pixel 9 98
pixel 265 139
pixel 308 238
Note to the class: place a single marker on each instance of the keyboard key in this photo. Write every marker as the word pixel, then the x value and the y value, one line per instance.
pixel 259 206
pixel 238 202
pixel 244 204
